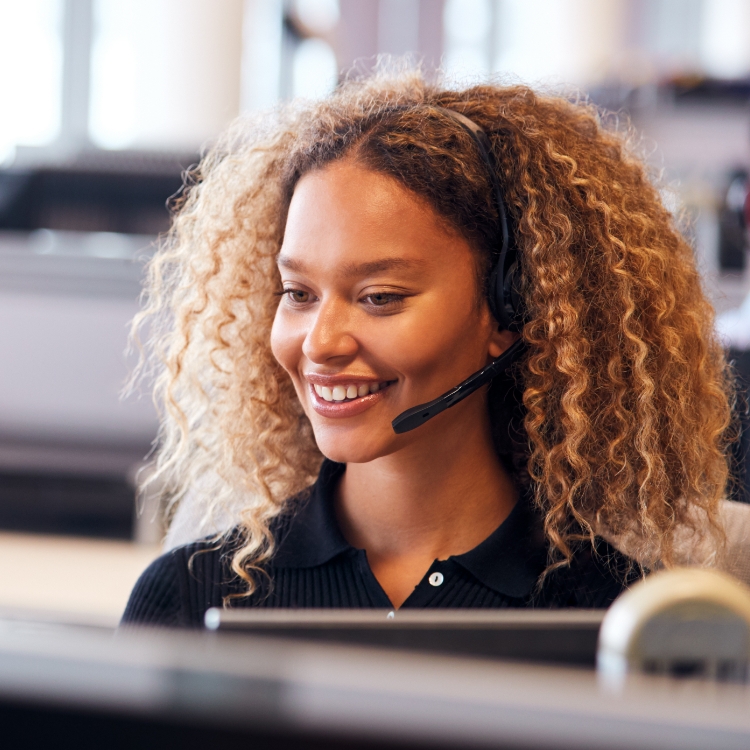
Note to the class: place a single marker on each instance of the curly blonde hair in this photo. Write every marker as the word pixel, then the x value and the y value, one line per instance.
pixel 624 396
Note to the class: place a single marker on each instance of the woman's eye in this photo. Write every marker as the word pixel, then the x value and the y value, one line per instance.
pixel 383 299
pixel 297 296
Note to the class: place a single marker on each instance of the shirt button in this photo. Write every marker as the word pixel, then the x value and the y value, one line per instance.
pixel 436 579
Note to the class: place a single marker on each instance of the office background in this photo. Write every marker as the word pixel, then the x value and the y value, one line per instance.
pixel 104 103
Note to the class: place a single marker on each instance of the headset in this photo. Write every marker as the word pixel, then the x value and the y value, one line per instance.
pixel 505 299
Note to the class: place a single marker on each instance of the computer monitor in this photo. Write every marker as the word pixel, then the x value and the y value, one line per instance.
pixel 549 636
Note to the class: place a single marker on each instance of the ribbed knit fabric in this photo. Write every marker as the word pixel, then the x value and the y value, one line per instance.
pixel 314 567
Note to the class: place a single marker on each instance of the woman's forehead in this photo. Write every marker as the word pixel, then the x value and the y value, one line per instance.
pixel 360 220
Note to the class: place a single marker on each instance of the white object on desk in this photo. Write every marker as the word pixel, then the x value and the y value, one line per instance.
pixel 688 622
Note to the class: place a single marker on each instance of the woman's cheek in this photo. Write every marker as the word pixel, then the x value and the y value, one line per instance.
pixel 286 343
pixel 388 348
pixel 412 347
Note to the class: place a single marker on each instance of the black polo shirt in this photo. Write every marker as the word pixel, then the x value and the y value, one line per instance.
pixel 314 566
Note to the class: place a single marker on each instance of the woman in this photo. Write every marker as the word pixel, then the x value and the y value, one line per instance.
pixel 337 267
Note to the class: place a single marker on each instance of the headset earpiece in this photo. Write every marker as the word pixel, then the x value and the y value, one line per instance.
pixel 506 302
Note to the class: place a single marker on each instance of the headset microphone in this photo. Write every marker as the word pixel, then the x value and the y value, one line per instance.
pixel 418 415
pixel 505 301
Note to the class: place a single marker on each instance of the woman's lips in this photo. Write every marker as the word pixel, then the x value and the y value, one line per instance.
pixel 346 408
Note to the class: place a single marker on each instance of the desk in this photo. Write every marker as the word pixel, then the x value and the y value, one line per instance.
pixel 69 578
pixel 180 689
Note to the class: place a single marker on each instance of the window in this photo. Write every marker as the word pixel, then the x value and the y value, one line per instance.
pixel 468 28
pixel 30 73
pixel 314 68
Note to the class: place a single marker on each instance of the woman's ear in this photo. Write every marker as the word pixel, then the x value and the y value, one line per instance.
pixel 500 341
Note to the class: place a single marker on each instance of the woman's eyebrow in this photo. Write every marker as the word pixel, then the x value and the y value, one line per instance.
pixel 367 268
pixel 284 261
pixel 378 266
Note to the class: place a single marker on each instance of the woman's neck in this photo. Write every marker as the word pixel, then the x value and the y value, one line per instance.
pixel 431 500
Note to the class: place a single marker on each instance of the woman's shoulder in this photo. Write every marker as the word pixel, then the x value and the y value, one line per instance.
pixel 595 576
pixel 176 589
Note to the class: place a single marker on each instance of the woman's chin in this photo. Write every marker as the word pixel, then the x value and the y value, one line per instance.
pixel 345 448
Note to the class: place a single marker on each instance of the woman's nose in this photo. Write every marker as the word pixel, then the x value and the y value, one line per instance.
pixel 330 335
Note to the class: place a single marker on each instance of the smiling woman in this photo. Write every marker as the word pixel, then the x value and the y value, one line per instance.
pixel 334 267
pixel 380 295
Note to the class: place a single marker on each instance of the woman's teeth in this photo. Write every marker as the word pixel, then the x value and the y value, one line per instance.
pixel 344 392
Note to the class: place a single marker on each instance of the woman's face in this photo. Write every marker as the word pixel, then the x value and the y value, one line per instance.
pixel 380 312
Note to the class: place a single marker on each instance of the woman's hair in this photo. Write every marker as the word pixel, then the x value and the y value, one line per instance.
pixel 624 393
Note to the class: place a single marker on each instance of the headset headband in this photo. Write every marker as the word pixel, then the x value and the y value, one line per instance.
pixel 505 301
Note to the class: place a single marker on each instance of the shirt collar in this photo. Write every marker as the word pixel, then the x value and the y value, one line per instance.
pixel 509 561
pixel 313 536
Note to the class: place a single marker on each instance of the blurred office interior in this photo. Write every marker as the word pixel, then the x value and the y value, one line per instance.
pixel 104 104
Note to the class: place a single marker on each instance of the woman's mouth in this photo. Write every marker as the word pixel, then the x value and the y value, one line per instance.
pixel 348 391
pixel 347 399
